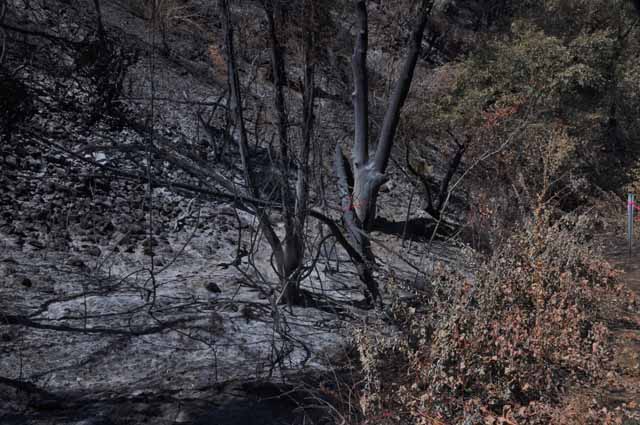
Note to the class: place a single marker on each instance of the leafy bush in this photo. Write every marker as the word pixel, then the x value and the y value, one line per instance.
pixel 549 105
pixel 503 346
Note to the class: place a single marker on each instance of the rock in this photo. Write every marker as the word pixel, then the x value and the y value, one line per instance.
pixel 388 186
pixel 136 229
pixel 95 421
pixel 216 322
pixel 50 188
pixel 93 251
pixel 183 417
pixel 76 262
pixel 124 240
pixel 230 307
pixel 7 270
pixel 86 222
pixel 147 244
pixel 21 188
pixel 23 280
pixel 20 150
pixel 36 244
pixel 108 227
pixel 11 161
pixel 213 287
pixel 227 210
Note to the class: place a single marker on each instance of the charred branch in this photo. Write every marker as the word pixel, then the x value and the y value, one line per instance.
pixel 401 90
pixel 361 88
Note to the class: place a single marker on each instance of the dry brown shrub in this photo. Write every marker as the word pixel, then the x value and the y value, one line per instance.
pixel 581 410
pixel 218 61
pixel 504 347
pixel 167 14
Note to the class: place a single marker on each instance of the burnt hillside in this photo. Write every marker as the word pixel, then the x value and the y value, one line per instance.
pixel 327 212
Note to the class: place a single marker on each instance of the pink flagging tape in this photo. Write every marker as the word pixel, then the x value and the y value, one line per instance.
pixel 352 205
pixel 634 205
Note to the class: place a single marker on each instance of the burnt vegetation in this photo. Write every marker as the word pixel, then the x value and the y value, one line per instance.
pixel 317 212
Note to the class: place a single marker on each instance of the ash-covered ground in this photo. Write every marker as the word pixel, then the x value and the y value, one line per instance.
pixel 122 303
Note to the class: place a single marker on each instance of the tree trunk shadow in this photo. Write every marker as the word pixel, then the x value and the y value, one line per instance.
pixel 325 303
pixel 417 229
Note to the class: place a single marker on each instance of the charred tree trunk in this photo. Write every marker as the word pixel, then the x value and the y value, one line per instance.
pixel 364 261
pixel 293 244
pixel 369 173
pixel 289 252
pixel 243 144
pixel 294 200
pixel 271 8
pixel 295 234
pixel 359 197
pixel 435 208
pixel 99 24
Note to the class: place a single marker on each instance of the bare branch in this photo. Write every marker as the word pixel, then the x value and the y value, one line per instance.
pixel 361 89
pixel 401 90
pixel 234 83
pixel 24 321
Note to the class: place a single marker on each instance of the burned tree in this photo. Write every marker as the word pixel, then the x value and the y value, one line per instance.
pixel 360 182
pixel 288 253
pixel 435 205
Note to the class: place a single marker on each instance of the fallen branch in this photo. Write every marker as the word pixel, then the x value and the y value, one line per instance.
pixel 24 321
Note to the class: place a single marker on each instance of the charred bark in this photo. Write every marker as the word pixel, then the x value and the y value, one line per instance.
pixel 99 24
pixel 293 245
pixel 243 145
pixel 435 208
pixel 369 173
pixel 364 261
pixel 289 252
pixel 361 88
pixel 359 203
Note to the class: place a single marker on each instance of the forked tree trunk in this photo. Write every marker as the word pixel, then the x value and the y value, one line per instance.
pixel 435 208
pixel 369 173
pixel 360 196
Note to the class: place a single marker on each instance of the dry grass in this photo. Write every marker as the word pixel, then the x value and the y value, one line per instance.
pixel 167 14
